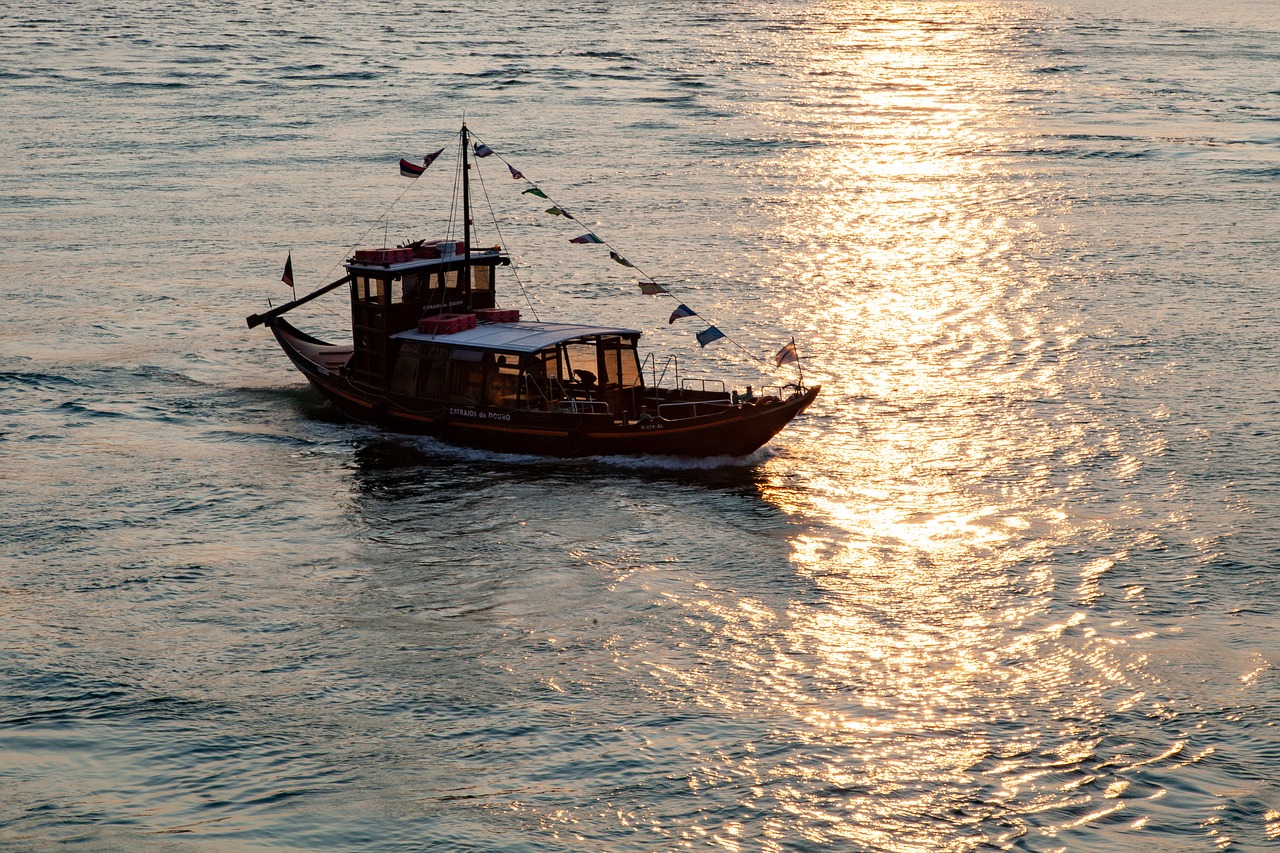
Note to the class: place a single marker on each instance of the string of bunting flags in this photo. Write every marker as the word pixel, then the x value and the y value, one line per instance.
pixel 648 287
pixel 413 170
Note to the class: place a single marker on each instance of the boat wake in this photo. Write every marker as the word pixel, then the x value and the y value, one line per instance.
pixel 395 451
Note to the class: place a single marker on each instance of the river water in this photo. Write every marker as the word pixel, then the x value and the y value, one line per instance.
pixel 1009 585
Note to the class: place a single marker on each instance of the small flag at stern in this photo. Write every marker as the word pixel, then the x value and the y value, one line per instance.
pixel 287 278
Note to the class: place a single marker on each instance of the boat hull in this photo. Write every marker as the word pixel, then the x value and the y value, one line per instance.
pixel 732 430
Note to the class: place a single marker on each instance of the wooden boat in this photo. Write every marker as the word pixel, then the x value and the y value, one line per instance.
pixel 432 354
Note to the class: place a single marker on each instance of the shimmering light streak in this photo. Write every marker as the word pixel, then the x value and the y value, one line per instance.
pixel 940 677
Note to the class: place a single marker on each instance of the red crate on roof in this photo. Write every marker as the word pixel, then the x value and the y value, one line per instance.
pixel 446 324
pixel 498 315
pixel 383 256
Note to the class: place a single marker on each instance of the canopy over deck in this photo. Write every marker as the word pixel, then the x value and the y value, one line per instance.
pixel 519 337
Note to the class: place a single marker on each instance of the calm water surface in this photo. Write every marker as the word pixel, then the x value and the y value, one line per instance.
pixel 1010 584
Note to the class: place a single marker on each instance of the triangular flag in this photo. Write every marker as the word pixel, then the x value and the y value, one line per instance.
pixel 651 288
pixel 534 191
pixel 709 334
pixel 786 355
pixel 559 211
pixel 586 238
pixel 621 260
pixel 287 278
pixel 515 173
pixel 482 150
pixel 681 311
pixel 431 158
pixel 410 170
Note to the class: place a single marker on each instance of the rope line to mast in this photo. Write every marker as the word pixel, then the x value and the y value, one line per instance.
pixel 515 273
pixel 614 251
pixel 384 219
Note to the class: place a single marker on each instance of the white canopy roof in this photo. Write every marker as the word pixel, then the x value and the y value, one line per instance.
pixel 522 337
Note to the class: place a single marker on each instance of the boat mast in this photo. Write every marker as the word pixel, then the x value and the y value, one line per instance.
pixel 466 216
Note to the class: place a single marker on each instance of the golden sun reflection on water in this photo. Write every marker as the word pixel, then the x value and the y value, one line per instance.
pixel 947 695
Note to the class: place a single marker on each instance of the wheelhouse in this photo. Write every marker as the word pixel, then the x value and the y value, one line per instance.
pixel 392 289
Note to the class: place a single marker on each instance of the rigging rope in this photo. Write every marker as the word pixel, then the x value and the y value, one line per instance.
pixel 383 218
pixel 515 273
pixel 617 256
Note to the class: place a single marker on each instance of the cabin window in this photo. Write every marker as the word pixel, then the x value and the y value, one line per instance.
pixel 466 384
pixel 431 372
pixel 431 379
pixel 580 359
pixel 412 287
pixel 397 289
pixel 482 278
pixel 370 289
pixel 504 381
pixel 540 384
pixel 550 359
pixel 620 361
pixel 451 279
pixel 468 381
pixel 615 358
pixel 404 376
pixel 632 376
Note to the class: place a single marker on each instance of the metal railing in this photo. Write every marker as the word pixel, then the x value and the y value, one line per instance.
pixel 686 409
pixel 651 361
pixel 703 385
pixel 584 406
pixel 781 392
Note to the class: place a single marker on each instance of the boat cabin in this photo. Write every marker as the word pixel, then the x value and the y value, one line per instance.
pixel 392 289
pixel 425 332
pixel 499 367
